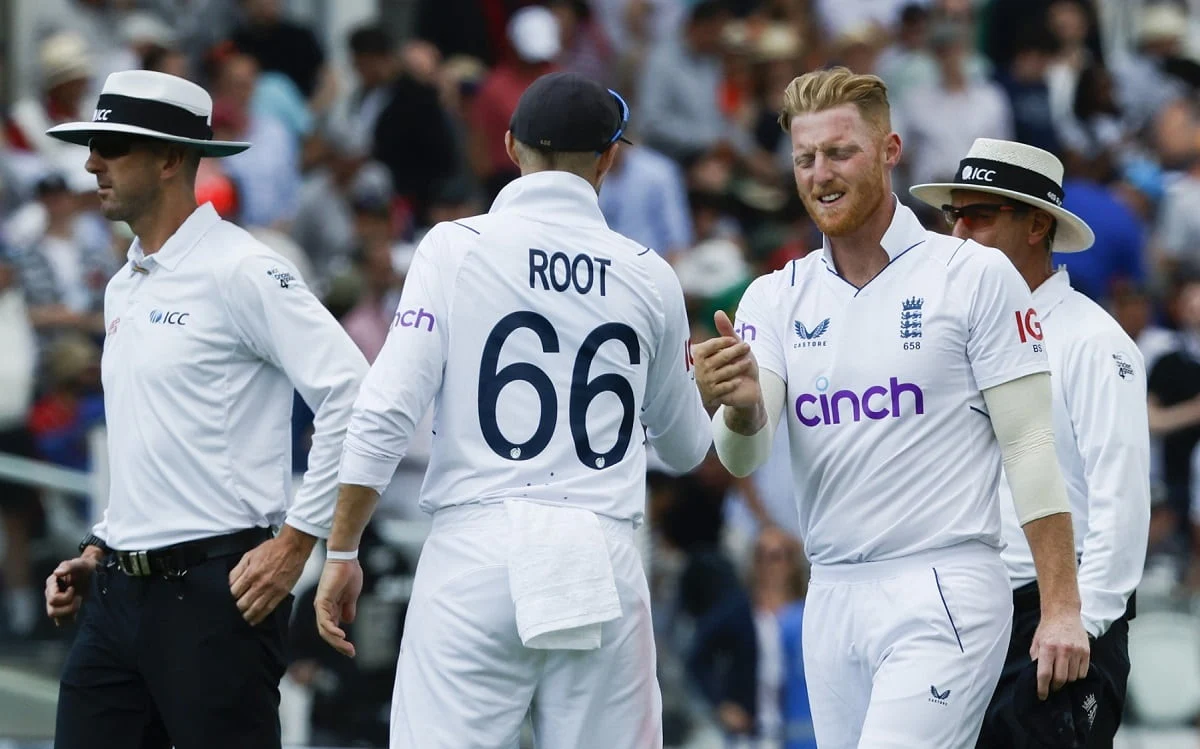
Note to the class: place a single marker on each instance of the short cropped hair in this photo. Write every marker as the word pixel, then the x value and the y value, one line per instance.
pixel 820 90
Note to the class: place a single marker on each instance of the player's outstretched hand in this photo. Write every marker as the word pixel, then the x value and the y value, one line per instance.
pixel 1061 649
pixel 726 371
pixel 337 602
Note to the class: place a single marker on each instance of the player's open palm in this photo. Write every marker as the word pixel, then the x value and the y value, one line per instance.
pixel 726 371
pixel 337 602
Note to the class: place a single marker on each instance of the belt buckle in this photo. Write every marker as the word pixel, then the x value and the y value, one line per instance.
pixel 135 563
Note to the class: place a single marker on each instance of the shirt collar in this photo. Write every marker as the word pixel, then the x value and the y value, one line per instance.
pixel 1051 293
pixel 179 244
pixel 904 233
pixel 548 195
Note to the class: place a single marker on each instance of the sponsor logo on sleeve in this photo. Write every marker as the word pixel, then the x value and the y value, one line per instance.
pixel 419 318
pixel 1124 366
pixel 283 277
pixel 1028 326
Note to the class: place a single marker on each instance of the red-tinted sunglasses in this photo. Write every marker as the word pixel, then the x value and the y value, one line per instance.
pixel 980 215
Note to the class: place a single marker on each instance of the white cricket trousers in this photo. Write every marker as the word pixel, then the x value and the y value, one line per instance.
pixel 465 681
pixel 905 653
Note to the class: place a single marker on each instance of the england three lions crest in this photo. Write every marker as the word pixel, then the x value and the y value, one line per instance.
pixel 910 317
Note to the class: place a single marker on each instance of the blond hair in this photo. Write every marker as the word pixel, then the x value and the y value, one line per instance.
pixel 826 89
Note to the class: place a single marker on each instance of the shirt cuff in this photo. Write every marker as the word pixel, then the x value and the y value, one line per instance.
pixel 362 470
pixel 306 527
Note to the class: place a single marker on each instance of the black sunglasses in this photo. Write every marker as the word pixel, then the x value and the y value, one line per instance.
pixel 980 215
pixel 114 146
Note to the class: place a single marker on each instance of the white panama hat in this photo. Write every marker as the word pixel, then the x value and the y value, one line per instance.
pixel 1024 173
pixel 152 105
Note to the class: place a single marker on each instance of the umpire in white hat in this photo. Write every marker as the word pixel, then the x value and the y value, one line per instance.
pixel 1009 196
pixel 182 589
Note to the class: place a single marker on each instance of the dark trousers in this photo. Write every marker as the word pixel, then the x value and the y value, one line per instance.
pixel 161 662
pixel 1109 658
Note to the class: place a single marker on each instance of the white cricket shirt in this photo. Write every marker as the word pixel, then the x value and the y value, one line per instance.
pixel 551 347
pixel 892 449
pixel 1102 439
pixel 206 340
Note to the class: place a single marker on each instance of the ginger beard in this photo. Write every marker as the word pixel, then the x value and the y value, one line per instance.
pixel 848 213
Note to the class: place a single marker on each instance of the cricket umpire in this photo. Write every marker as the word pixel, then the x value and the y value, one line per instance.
pixel 183 587
pixel 1009 196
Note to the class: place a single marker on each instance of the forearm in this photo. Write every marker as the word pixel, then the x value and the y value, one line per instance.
pixel 355 505
pixel 299 541
pixel 1052 541
pixel 743 436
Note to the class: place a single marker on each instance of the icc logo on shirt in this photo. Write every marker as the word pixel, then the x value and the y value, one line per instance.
pixel 159 317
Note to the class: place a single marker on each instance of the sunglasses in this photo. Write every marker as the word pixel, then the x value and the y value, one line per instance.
pixel 980 215
pixel 114 146
pixel 624 117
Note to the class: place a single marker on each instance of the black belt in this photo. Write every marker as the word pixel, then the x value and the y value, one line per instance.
pixel 174 561
pixel 1027 599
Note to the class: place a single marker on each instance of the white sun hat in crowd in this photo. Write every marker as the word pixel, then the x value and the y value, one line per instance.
pixel 1024 173
pixel 152 105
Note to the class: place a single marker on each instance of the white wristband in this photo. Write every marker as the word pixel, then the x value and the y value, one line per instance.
pixel 340 556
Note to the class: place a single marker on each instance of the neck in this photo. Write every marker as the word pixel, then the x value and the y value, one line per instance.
pixel 1036 270
pixel 161 219
pixel 953 79
pixel 859 256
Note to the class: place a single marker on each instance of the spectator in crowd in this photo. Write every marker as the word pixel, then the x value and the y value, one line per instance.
pixel 19 503
pixel 1096 129
pixel 1026 82
pixel 420 153
pixel 66 75
pixel 1143 79
pixel 1117 259
pixel 1178 241
pixel 940 122
pixel 585 48
pixel 906 63
pixel 376 66
pixel 1174 399
pixel 280 45
pixel 474 28
pixel 778 581
pixel 62 273
pixel 534 34
pixel 679 112
pixel 369 321
pixel 268 175
pixel 72 406
pixel 644 197
pixel 324 223
pixel 1071 25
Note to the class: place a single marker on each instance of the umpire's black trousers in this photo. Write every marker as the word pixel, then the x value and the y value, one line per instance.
pixel 1109 658
pixel 169 661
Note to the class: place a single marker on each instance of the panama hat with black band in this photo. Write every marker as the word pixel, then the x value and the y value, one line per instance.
pixel 1023 173
pixel 148 104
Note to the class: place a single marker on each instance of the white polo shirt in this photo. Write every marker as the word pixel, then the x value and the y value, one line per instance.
pixel 1102 439
pixel 206 340
pixel 892 449
pixel 551 347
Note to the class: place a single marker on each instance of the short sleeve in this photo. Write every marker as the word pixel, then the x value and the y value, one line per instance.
pixel 1004 335
pixel 754 322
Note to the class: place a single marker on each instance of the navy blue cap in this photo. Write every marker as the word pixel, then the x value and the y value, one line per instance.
pixel 569 112
pixel 1065 719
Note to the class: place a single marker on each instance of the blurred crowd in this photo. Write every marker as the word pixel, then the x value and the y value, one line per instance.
pixel 350 167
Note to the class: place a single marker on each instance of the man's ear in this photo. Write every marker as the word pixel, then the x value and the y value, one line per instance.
pixel 174 160
pixel 892 149
pixel 607 157
pixel 510 145
pixel 1042 223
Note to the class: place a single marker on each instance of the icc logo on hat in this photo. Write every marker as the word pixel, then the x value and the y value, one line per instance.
pixel 978 174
